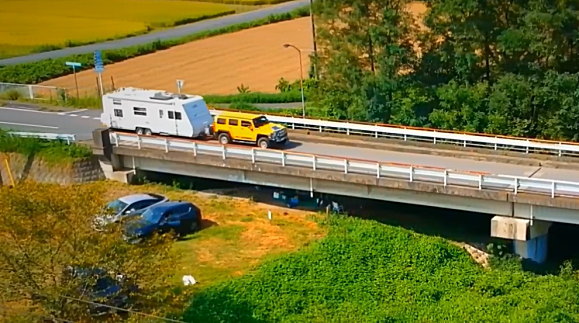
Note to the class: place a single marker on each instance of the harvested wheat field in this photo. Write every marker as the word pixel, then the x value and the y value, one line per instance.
pixel 217 65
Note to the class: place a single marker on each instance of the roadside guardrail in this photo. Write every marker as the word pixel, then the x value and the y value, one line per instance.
pixel 411 173
pixel 523 145
pixel 47 136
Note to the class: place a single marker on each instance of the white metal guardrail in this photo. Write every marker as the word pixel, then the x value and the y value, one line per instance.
pixel 47 136
pixel 523 145
pixel 380 170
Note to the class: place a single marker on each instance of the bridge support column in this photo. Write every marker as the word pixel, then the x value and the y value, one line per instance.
pixel 529 237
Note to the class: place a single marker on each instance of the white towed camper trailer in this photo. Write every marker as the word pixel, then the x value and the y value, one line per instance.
pixel 156 112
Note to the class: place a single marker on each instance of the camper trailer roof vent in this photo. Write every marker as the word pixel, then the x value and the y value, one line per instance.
pixel 161 96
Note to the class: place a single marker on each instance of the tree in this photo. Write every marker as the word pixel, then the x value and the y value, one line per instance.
pixel 44 228
pixel 365 49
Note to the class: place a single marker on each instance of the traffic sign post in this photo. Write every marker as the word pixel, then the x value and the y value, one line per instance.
pixel 180 84
pixel 99 68
pixel 74 65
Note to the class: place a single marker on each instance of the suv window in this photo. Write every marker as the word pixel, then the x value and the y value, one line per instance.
pixel 233 122
pixel 220 121
pixel 245 123
pixel 142 204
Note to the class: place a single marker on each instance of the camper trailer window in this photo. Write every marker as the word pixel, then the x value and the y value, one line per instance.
pixel 171 114
pixel 118 113
pixel 220 121
pixel 161 114
pixel 177 115
pixel 139 111
pixel 116 102
pixel 233 122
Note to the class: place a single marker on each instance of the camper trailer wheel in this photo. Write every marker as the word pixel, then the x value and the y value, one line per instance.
pixel 139 131
pixel 263 143
pixel 148 132
pixel 224 138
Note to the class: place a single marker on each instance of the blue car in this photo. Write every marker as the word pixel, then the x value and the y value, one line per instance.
pixel 181 218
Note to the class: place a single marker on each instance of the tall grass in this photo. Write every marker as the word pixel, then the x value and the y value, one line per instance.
pixel 51 151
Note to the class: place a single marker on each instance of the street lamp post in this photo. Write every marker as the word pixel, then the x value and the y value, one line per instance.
pixel 301 78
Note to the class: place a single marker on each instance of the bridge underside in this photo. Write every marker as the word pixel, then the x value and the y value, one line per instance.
pixel 363 186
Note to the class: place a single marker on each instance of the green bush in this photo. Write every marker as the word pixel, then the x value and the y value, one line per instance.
pixel 364 271
pixel 12 95
pixel 256 97
pixel 30 73
pixel 52 151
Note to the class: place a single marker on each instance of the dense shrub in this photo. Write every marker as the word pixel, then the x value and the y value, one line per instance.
pixel 53 151
pixel 364 271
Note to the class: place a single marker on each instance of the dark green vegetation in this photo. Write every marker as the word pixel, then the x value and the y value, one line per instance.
pixel 52 151
pixel 364 271
pixel 502 67
pixel 47 69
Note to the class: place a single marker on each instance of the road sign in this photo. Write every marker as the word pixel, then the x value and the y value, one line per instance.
pixel 98 62
pixel 180 85
pixel 73 64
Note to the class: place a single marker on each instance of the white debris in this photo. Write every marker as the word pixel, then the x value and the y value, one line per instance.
pixel 189 280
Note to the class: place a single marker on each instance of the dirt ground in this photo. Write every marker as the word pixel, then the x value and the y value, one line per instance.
pixel 253 57
pixel 217 65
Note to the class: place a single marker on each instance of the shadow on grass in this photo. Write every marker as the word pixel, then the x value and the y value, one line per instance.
pixel 205 224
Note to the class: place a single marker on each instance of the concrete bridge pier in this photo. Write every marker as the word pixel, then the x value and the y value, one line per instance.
pixel 529 236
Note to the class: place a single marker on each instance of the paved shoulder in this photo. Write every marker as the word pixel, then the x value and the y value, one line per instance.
pixel 172 33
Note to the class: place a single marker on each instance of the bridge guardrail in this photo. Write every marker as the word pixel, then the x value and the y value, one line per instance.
pixel 43 135
pixel 524 145
pixel 411 173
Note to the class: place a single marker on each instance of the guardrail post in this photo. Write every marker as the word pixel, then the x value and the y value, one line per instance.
pixel 527 149
pixel 321 129
pixel 434 136
pixel 195 148
pixel 345 166
pixel 253 155
pixel 496 144
pixel 293 126
pixel 376 132
pixel 224 152
pixel 553 189
pixel 314 162
pixel 405 136
pixel 560 150
pixel 139 142
pixel 116 136
pixel 516 185
pixel 411 174
pixel 464 143
pixel 166 145
pixel 378 170
pixel 480 181
pixel 445 177
pixel 283 158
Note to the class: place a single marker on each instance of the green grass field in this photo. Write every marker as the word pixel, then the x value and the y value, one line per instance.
pixel 37 25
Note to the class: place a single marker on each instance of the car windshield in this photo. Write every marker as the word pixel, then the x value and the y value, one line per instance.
pixel 117 206
pixel 260 121
pixel 152 215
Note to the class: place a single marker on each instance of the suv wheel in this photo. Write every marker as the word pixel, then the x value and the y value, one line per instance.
pixel 263 143
pixel 224 138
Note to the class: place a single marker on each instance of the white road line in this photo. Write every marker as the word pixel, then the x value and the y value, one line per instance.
pixel 85 117
pixel 96 118
pixel 75 111
pixel 25 110
pixel 73 115
pixel 28 125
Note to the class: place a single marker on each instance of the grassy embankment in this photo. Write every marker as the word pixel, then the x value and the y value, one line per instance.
pixel 364 271
pixel 53 152
pixel 35 25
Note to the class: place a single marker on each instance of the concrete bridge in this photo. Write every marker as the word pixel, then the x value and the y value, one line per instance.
pixel 524 206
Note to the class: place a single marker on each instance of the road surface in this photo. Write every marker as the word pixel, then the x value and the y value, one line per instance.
pixel 82 122
pixel 167 34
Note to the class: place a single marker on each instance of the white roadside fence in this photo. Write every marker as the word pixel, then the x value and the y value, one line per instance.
pixel 411 173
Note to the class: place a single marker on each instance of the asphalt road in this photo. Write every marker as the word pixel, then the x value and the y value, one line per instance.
pixel 82 122
pixel 172 33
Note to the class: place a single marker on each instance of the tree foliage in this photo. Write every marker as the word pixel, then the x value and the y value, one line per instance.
pixel 504 67
pixel 43 229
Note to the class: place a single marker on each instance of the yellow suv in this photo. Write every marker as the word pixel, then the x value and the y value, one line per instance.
pixel 247 127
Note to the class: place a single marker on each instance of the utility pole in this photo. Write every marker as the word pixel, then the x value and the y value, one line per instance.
pixel 315 65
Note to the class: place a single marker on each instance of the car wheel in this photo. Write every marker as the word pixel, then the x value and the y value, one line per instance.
pixel 193 227
pixel 224 138
pixel 139 131
pixel 263 143
pixel 148 132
